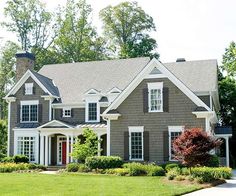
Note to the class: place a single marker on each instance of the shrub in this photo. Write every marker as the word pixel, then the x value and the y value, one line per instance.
pixel 136 169
pixel 153 170
pixel 103 162
pixel 171 166
pixel 170 176
pixel 82 168
pixel 213 161
pixel 118 171
pixel 33 166
pixel 20 159
pixel 10 167
pixel 72 167
pixel 7 160
pixel 185 171
pixel 180 178
pixel 208 174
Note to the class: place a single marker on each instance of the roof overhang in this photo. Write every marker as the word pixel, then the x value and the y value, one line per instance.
pixel 110 116
pixel 207 114
pixel 55 124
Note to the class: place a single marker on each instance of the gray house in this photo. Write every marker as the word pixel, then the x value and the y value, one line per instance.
pixel 136 106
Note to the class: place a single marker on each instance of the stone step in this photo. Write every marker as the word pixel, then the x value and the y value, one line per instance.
pixel 55 168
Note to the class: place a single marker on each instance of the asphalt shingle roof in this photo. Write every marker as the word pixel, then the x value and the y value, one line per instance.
pixel 74 79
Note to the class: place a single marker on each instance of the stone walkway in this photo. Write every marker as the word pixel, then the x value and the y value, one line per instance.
pixel 227 189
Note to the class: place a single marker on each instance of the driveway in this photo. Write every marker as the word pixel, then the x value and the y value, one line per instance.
pixel 226 189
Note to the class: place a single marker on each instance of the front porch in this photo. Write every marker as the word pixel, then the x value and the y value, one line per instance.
pixel 57 139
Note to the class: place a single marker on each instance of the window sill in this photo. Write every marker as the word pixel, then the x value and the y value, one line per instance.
pixel 66 116
pixel 29 122
pixel 136 160
pixel 156 111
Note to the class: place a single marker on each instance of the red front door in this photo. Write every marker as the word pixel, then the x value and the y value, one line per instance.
pixel 63 153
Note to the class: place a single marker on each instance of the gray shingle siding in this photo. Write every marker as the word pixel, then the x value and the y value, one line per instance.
pixel 21 97
pixel 205 99
pixel 131 110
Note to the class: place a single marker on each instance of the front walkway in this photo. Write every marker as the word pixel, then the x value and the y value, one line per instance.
pixel 226 189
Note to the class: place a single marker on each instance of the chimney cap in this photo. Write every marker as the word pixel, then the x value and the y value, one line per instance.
pixel 25 54
pixel 180 60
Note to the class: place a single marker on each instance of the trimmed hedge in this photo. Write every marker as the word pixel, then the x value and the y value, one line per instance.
pixel 10 167
pixel 118 171
pixel 103 162
pixel 208 174
pixel 170 166
pixel 16 159
pixel 213 161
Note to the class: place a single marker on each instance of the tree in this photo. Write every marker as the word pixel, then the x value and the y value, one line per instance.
pixel 7 73
pixel 192 147
pixel 229 60
pixel 77 40
pixel 126 28
pixel 30 21
pixel 3 138
pixel 86 148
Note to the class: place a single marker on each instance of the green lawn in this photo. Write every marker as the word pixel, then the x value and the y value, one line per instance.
pixel 86 184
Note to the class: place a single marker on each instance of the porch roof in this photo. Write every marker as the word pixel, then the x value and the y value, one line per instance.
pixel 223 130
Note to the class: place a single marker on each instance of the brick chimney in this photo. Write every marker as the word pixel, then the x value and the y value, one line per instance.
pixel 24 61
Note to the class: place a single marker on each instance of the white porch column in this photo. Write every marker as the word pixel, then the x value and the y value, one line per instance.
pixel 46 150
pixel 41 149
pixel 67 148
pixel 50 150
pixel 99 145
pixel 71 147
pixel 108 138
pixel 227 151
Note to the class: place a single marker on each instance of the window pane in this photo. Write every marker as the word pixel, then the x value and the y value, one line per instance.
pixel 155 99
pixel 26 146
pixel 92 111
pixel 34 113
pixel 136 145
pixel 25 113
pixel 173 136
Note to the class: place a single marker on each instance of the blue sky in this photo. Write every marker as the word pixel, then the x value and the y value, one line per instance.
pixel 193 29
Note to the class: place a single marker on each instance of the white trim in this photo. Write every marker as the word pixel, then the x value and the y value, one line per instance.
pixel 87 111
pixel 29 103
pixel 64 112
pixel 139 129
pixel 27 134
pixel 170 130
pixel 114 90
pixel 151 76
pixel 52 122
pixel 60 141
pixel 23 79
pixel 139 78
pixel 92 92
pixel 155 86
pixel 9 129
pixel 108 137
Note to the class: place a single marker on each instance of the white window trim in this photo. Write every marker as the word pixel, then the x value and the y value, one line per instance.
pixel 151 86
pixel 131 130
pixel 87 111
pixel 170 130
pixel 27 86
pixel 66 116
pixel 31 102
pixel 27 133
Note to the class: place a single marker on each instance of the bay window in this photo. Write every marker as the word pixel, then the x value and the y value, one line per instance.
pixel 26 146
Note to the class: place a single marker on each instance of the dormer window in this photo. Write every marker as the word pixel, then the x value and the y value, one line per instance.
pixel 92 111
pixel 66 112
pixel 28 88
pixel 155 97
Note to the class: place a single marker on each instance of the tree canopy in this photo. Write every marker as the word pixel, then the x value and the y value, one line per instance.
pixel 126 27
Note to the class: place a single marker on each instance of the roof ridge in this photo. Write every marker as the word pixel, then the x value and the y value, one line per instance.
pixel 191 61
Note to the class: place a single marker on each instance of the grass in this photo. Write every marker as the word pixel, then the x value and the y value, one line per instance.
pixel 88 184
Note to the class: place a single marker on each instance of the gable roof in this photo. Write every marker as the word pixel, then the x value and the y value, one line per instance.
pixel 198 76
pixel 45 83
pixel 149 67
pixel 75 79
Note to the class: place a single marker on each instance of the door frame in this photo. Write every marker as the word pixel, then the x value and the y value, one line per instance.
pixel 60 140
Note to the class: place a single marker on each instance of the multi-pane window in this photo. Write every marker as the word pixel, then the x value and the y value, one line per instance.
pixel 29 113
pixel 26 146
pixel 66 112
pixel 136 143
pixel 173 136
pixel 155 97
pixel 92 111
pixel 28 88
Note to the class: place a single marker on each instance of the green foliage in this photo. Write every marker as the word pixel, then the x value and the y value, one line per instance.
pixel 7 160
pixel 72 167
pixel 87 148
pixel 20 159
pixel 118 171
pixel 213 161
pixel 154 170
pixel 126 28
pixel 3 138
pixel 208 174
pixel 103 162
pixel 171 166
pixel 180 178
pixel 185 171
pixel 33 166
pixel 77 39
pixel 10 167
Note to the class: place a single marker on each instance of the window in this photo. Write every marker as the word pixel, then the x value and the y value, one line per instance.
pixel 155 103
pixel 26 146
pixel 136 143
pixel 29 111
pixel 66 112
pixel 174 132
pixel 92 111
pixel 28 88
